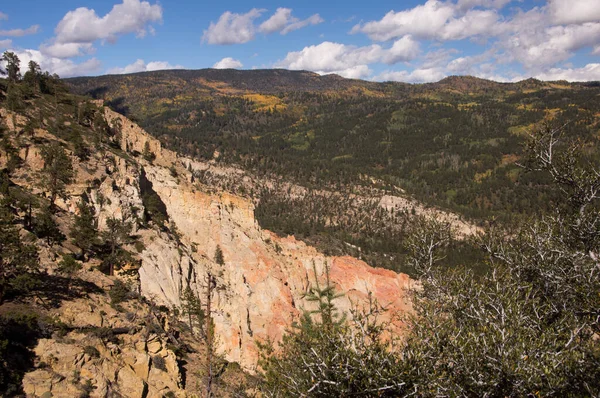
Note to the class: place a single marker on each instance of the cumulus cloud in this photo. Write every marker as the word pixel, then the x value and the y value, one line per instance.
pixel 467 4
pixel 141 66
pixel 569 11
pixel 232 28
pixel 228 63
pixel 80 28
pixel 62 67
pixel 432 20
pixel 283 22
pixel 67 50
pixel 5 44
pixel 424 75
pixel 539 39
pixel 585 73
pixel 84 25
pixel 537 46
pixel 33 29
pixel 347 60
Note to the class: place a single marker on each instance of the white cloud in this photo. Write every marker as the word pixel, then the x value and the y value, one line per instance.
pixel 277 22
pixel 3 16
pixel 80 28
pixel 467 4
pixel 425 75
pixel 312 20
pixel 539 39
pixel 141 66
pixel 232 28
pixel 586 73
pixel 62 67
pixel 228 63
pixel 538 48
pixel 83 25
pixel 5 44
pixel 355 72
pixel 574 11
pixel 67 50
pixel 432 20
pixel 33 29
pixel 283 21
pixel 404 49
pixel 347 60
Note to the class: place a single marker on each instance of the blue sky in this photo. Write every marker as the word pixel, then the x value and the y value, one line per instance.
pixel 412 41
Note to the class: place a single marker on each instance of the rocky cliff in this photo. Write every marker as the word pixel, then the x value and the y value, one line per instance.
pixel 261 286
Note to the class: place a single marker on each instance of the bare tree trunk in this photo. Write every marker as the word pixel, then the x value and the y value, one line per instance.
pixel 209 336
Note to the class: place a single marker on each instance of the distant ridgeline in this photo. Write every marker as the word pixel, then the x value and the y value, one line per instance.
pixel 454 144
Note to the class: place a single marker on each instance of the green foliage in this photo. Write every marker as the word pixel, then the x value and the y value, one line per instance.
pixel 12 154
pixel 528 327
pixel 147 153
pixel 159 363
pixel 19 331
pixel 191 307
pixel 91 351
pixel 32 77
pixel 13 66
pixel 69 266
pixel 45 227
pixel 117 232
pixel 57 172
pixel 14 98
pixel 325 357
pixel 219 259
pixel 18 260
pixel 119 293
pixel 83 232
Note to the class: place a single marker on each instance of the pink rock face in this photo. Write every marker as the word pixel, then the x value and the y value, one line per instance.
pixel 262 287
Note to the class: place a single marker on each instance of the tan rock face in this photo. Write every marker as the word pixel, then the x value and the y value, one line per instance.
pixel 261 288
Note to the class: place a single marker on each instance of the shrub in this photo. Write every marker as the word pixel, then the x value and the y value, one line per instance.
pixel 159 363
pixel 91 351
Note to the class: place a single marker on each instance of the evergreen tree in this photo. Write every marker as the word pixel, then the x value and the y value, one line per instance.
pixel 324 355
pixel 17 260
pixel 191 307
pixel 68 266
pixel 45 227
pixel 57 172
pixel 147 153
pixel 84 232
pixel 32 77
pixel 13 66
pixel 117 233
pixel 219 259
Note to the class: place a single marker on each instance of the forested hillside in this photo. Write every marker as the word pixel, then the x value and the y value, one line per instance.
pixel 455 143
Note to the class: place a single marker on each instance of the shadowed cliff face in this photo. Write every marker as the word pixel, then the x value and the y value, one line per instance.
pixel 262 285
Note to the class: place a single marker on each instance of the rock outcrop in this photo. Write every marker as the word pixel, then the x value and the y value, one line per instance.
pixel 262 285
pixel 104 353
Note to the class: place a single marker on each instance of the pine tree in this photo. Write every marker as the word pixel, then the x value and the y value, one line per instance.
pixel 57 172
pixel 68 266
pixel 45 227
pixel 147 153
pixel 17 260
pixel 191 307
pixel 219 259
pixel 84 232
pixel 117 233
pixel 13 66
